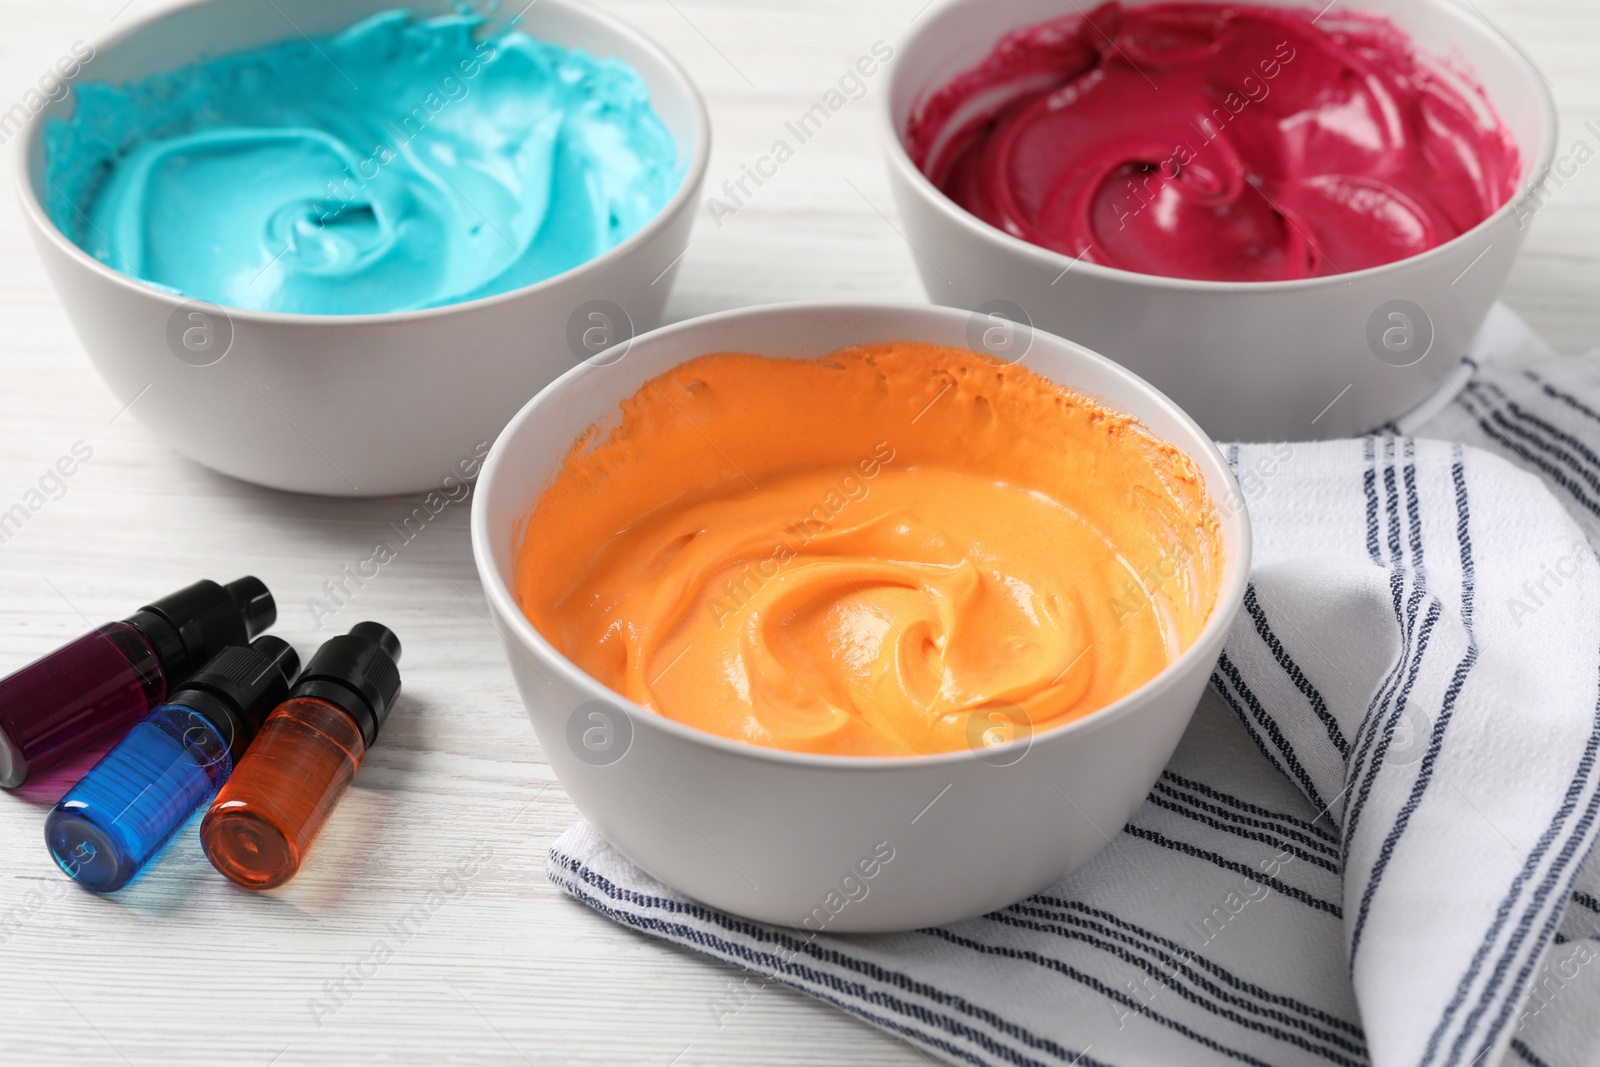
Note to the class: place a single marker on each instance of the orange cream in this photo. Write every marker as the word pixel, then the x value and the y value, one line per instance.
pixel 896 549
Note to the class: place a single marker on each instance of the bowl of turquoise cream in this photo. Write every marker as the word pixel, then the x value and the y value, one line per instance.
pixel 332 246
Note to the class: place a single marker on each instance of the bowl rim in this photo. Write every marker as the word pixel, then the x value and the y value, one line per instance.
pixel 687 192
pixel 524 639
pixel 900 161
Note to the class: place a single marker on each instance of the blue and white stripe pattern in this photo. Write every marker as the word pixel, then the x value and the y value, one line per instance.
pixel 1369 847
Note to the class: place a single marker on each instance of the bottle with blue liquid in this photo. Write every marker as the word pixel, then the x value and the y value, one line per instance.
pixel 167 767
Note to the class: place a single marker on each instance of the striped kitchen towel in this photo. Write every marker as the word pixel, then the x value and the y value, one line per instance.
pixel 1370 844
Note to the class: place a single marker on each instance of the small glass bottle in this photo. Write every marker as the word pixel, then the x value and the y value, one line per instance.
pixel 107 679
pixel 264 820
pixel 135 799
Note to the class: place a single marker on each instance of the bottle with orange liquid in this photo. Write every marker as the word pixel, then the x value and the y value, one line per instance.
pixel 264 820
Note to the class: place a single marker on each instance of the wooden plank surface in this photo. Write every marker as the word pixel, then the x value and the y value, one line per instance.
pixel 182 968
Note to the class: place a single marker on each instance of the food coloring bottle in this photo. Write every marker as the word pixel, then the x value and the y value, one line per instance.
pixel 174 760
pixel 266 817
pixel 106 680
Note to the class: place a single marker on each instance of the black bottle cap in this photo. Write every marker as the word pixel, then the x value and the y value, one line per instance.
pixel 197 622
pixel 240 686
pixel 358 673
pixel 254 601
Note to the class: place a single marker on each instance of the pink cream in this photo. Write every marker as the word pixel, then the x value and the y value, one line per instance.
pixel 1217 141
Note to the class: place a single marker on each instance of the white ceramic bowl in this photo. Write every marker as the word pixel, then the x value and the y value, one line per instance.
pixel 354 404
pixel 1250 361
pixel 771 834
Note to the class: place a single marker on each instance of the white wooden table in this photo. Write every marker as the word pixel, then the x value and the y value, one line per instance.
pixel 184 969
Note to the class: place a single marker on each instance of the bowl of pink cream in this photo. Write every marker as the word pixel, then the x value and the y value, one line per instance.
pixel 1291 219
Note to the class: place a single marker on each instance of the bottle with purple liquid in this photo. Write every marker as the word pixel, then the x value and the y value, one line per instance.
pixel 108 679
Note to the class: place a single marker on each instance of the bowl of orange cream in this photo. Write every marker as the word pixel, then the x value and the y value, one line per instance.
pixel 848 618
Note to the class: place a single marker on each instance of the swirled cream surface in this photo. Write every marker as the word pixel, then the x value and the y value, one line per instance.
pixel 896 549
pixel 403 163
pixel 1225 142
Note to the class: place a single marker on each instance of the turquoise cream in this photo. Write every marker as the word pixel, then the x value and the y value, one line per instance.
pixel 404 163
